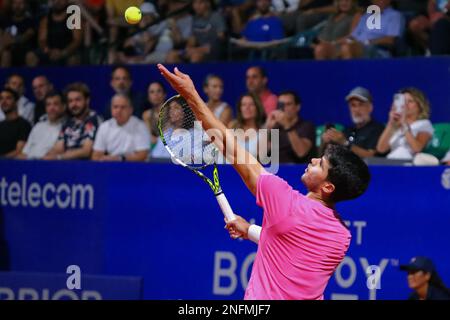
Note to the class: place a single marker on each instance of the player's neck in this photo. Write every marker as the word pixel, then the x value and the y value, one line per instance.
pixel 317 197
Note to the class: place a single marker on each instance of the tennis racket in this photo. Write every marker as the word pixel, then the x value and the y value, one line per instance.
pixel 190 146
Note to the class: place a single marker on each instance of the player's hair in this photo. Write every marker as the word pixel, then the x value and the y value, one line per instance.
pixel 292 93
pixel 348 172
pixel 436 281
pixel 78 87
pixel 420 98
pixel 12 92
pixel 260 114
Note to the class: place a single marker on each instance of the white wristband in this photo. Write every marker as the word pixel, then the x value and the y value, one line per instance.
pixel 254 233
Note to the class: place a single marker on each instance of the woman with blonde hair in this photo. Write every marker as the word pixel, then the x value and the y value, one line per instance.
pixel 408 130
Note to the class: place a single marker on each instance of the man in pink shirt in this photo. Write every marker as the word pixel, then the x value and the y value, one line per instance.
pixel 256 81
pixel 303 238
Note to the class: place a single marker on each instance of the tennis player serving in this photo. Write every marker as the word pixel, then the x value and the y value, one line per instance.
pixel 303 239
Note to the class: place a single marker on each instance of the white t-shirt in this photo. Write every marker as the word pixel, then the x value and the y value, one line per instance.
pixel 400 148
pixel 121 140
pixel 42 138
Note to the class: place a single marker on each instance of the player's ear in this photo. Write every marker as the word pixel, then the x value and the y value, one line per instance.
pixel 328 188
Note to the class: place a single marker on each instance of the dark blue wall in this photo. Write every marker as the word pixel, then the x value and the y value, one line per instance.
pixel 322 85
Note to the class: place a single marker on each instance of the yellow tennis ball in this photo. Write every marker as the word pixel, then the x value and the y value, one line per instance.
pixel 133 15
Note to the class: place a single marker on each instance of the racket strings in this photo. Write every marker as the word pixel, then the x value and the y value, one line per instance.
pixel 184 136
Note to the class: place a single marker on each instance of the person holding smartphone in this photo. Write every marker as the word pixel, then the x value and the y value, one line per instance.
pixel 296 135
pixel 362 136
pixel 409 129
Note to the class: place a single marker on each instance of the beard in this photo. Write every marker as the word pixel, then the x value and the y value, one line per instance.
pixel 359 120
pixel 78 111
pixel 7 109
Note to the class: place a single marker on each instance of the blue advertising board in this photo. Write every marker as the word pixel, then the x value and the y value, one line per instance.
pixel 161 222
pixel 50 286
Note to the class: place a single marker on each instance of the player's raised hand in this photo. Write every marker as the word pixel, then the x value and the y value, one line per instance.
pixel 179 81
pixel 238 227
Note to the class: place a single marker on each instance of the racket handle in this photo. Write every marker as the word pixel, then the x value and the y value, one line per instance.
pixel 225 206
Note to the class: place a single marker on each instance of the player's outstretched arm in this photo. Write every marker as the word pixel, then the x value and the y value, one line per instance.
pixel 182 83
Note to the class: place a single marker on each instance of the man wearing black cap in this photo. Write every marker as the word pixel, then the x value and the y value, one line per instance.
pixel 424 280
pixel 361 138
pixel 14 130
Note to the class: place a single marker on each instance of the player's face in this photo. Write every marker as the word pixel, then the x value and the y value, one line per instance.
pixel 77 103
pixel 360 111
pixel 248 108
pixel 7 102
pixel 121 110
pixel 214 89
pixel 121 81
pixel 316 173
pixel 417 279
pixel 412 107
pixel 40 88
pixel 54 108
pixel 156 95
pixel 255 80
pixel 290 108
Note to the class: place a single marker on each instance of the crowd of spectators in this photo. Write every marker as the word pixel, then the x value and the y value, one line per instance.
pixel 64 125
pixel 35 32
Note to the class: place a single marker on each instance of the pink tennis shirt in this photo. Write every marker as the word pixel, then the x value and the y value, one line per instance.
pixel 302 242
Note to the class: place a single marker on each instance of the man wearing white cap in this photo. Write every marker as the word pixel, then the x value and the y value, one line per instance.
pixel 362 137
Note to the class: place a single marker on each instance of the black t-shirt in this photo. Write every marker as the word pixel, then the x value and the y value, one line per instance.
pixel 12 132
pixel 305 129
pixel 365 137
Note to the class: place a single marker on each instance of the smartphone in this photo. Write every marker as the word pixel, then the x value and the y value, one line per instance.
pixel 280 106
pixel 399 102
